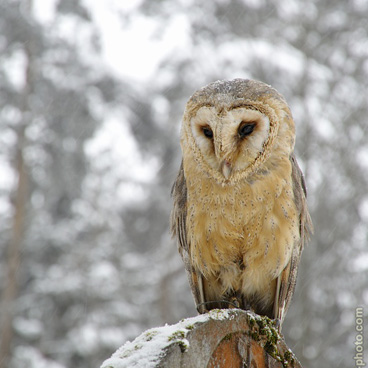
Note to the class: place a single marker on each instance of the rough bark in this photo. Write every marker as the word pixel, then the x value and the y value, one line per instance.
pixel 220 339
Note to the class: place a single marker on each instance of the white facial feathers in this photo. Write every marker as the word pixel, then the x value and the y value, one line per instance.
pixel 229 140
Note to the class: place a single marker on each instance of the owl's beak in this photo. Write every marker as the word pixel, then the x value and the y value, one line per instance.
pixel 226 168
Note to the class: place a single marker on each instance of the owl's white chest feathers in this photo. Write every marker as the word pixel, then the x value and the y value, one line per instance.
pixel 242 234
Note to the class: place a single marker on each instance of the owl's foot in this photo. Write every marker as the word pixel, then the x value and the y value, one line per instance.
pixel 217 304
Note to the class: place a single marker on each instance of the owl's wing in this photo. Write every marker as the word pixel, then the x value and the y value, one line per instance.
pixel 178 230
pixel 287 280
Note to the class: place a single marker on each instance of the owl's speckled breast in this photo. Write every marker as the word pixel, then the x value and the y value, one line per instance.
pixel 244 233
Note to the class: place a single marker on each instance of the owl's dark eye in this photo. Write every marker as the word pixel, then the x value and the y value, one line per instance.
pixel 207 131
pixel 246 128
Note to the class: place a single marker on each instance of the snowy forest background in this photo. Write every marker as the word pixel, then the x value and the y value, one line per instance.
pixel 91 98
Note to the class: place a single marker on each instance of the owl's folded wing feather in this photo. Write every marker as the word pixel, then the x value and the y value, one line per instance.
pixel 178 230
pixel 179 211
pixel 287 280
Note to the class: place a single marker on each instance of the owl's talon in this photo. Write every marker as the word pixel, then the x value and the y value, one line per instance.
pixel 234 301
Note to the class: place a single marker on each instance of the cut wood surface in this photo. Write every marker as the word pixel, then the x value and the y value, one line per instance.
pixel 228 338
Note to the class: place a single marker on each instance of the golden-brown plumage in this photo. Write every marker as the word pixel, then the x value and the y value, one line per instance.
pixel 240 214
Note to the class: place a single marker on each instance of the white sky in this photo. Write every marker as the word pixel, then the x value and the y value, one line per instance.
pixel 134 51
pixel 129 52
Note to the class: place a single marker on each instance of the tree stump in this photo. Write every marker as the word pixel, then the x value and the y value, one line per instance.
pixel 222 338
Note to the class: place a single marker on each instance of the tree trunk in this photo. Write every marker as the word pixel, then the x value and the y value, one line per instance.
pixel 227 338
pixel 10 288
pixel 13 252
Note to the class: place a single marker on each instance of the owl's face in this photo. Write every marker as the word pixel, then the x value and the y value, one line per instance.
pixel 234 129
pixel 229 141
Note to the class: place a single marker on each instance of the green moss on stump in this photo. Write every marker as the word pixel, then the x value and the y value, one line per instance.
pixel 263 328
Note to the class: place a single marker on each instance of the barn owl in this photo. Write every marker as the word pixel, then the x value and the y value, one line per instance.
pixel 239 201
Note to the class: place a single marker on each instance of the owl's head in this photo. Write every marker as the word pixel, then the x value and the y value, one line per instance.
pixel 232 128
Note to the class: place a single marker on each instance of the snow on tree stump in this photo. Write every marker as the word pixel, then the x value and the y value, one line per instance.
pixel 230 338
